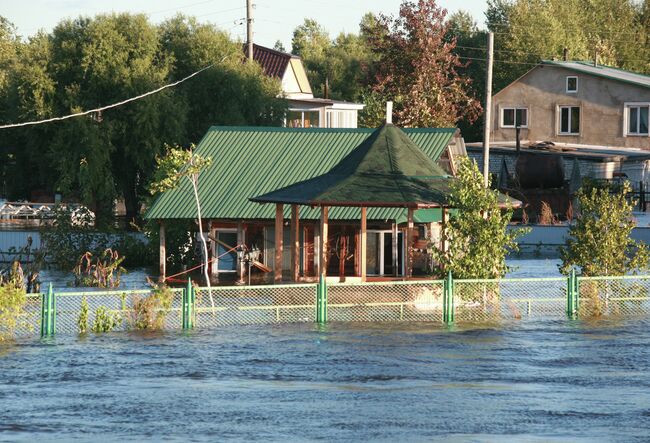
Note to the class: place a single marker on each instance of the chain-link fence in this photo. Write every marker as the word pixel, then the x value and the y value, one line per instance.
pixel 255 304
pixel 614 296
pixel 385 301
pixel 489 300
pixel 436 301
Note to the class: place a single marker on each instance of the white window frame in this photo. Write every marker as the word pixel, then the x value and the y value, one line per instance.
pixel 626 119
pixel 559 120
pixel 215 249
pixel 566 85
pixel 514 108
pixel 380 247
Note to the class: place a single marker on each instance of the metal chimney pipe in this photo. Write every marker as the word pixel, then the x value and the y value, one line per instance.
pixel 389 112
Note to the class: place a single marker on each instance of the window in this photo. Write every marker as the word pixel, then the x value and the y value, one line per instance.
pixel 302 119
pixel 569 120
pixel 637 115
pixel 513 117
pixel 571 84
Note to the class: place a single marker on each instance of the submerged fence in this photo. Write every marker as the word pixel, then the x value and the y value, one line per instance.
pixel 437 301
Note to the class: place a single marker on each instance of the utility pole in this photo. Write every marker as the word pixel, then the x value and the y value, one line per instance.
pixel 249 29
pixel 488 110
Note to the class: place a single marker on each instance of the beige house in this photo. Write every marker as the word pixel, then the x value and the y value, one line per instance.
pixel 305 111
pixel 575 103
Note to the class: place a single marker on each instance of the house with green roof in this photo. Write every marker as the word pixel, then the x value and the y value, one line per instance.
pixel 574 103
pixel 249 164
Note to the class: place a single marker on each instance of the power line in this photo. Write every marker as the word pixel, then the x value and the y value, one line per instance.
pixel 114 105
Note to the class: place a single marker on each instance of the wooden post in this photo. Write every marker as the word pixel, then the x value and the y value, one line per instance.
pixel 279 230
pixel 240 241
pixel 443 235
pixel 163 253
pixel 396 269
pixel 409 244
pixel 295 242
pixel 488 111
pixel 364 244
pixel 322 247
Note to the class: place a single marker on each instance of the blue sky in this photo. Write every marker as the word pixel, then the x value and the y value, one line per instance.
pixel 274 19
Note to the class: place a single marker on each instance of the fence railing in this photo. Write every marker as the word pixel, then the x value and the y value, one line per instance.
pixel 439 301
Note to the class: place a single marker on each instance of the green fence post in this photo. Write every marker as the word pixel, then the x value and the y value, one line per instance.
pixel 448 299
pixel 188 305
pixel 48 313
pixel 321 301
pixel 573 295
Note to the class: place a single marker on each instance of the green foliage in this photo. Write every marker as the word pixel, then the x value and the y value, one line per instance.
pixel 176 164
pixel 105 320
pixel 149 313
pixel 531 30
pixel 12 307
pixel 104 271
pixel 82 319
pixel 180 243
pixel 478 238
pixel 89 62
pixel 599 242
pixel 344 62
pixel 72 233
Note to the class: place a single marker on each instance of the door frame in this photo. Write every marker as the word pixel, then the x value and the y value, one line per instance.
pixel 381 245
pixel 216 248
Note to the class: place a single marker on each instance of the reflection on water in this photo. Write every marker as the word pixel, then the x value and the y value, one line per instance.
pixel 545 381
pixel 63 281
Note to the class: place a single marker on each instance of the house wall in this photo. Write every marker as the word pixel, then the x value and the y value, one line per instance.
pixel 543 89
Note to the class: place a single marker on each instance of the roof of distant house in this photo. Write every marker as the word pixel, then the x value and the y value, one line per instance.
pixel 603 71
pixel 274 63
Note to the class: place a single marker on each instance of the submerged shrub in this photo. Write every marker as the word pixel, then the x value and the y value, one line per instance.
pixel 82 320
pixel 150 312
pixel 105 321
pixel 12 307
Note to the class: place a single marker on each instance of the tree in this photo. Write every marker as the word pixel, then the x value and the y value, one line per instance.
pixel 98 61
pixel 231 92
pixel 465 32
pixel 599 242
pixel 417 69
pixel 528 31
pixel 342 63
pixel 175 165
pixel 478 236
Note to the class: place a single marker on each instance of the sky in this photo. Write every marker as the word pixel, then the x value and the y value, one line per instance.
pixel 274 19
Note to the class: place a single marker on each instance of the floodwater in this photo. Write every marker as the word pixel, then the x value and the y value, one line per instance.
pixel 518 382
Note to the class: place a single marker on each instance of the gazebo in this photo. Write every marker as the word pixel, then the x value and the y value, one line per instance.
pixel 386 170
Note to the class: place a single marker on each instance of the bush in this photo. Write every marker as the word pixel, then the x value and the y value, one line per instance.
pixel 104 271
pixel 105 321
pixel 599 241
pixel 478 238
pixel 149 313
pixel 12 307
pixel 82 320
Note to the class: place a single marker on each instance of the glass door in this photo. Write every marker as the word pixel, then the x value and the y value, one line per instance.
pixel 226 261
pixel 380 258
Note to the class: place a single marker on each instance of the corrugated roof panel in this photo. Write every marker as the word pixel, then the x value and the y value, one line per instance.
pixel 249 161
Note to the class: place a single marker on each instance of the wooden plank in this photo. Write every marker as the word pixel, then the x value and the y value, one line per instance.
pixel 240 241
pixel 323 241
pixel 162 253
pixel 409 244
pixel 279 228
pixel 395 249
pixel 364 245
pixel 444 234
pixel 295 242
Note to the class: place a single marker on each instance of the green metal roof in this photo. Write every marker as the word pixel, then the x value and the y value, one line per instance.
pixel 386 170
pixel 608 72
pixel 250 161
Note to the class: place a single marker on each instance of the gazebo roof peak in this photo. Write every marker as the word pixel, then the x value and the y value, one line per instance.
pixel 387 169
